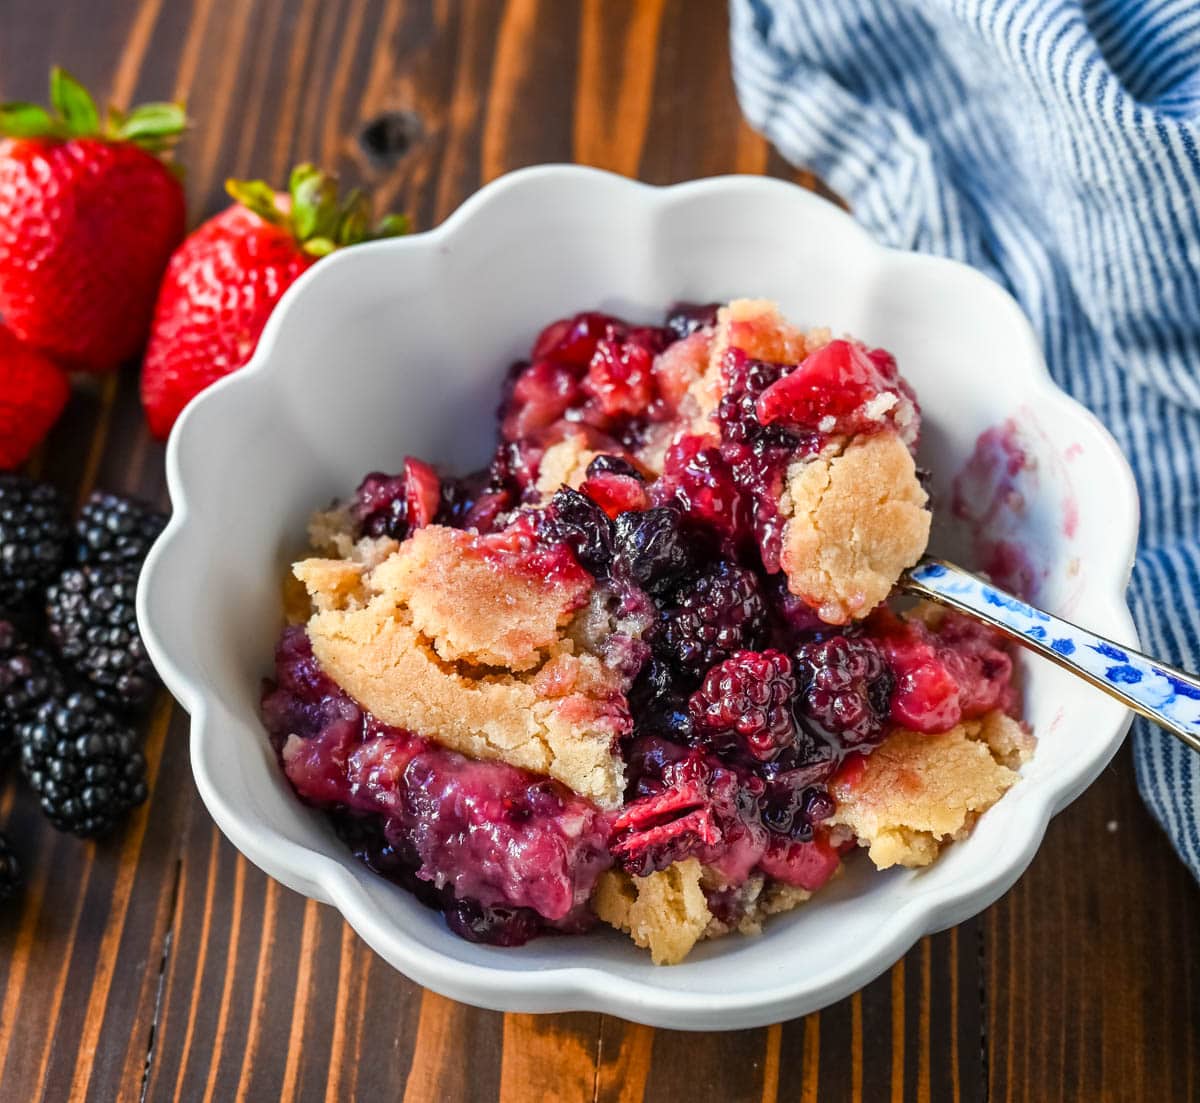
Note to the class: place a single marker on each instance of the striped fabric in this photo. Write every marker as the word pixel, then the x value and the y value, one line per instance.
pixel 1054 144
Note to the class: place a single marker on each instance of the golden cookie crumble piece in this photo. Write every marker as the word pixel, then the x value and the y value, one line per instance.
pixel 565 463
pixel 665 912
pixel 856 518
pixel 472 611
pixel 442 639
pixel 917 792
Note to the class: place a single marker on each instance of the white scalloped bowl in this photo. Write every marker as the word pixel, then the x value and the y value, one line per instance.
pixel 399 347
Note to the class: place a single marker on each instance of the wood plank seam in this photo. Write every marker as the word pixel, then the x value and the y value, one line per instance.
pixel 163 961
pixel 984 1072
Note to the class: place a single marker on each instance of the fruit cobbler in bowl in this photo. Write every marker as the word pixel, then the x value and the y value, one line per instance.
pixel 645 669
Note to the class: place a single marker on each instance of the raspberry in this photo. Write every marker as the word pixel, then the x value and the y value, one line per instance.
pixel 653 548
pixel 573 340
pixel 33 392
pixel 955 671
pixel 702 483
pixel 831 391
pixel 540 395
pixel 846 688
pixel 83 764
pixel 619 379
pixel 806 865
pixel 113 529
pixel 33 537
pixel 91 618
pixel 720 612
pixel 749 696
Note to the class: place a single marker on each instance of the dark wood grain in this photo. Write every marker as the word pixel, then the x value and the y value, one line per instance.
pixel 161 965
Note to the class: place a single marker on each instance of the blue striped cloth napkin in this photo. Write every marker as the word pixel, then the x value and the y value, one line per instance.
pixel 1054 144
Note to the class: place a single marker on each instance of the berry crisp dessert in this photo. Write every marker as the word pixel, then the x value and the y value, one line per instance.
pixel 642 669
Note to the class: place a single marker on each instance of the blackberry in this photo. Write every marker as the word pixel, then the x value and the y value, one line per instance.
pixel 28 676
pixel 34 534
pixel 83 763
pixel 719 613
pixel 845 686
pixel 749 697
pixel 745 380
pixel 575 520
pixel 653 548
pixel 10 870
pixel 113 529
pixel 91 618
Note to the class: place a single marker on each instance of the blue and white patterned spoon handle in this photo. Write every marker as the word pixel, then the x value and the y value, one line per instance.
pixel 1163 694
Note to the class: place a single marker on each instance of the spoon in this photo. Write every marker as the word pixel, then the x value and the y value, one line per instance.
pixel 1157 691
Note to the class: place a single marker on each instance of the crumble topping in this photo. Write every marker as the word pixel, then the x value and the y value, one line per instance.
pixel 434 641
pixel 668 913
pixel 460 642
pixel 564 464
pixel 856 519
pixel 665 913
pixel 470 610
pixel 916 791
pixel 331 531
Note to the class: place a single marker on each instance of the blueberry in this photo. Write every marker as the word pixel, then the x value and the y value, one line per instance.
pixel 613 465
pixel 575 520
pixel 683 319
pixel 653 548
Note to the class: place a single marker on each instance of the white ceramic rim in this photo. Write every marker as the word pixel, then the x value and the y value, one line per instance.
pixel 585 988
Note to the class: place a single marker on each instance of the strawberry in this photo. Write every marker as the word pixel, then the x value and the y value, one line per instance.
pixel 225 279
pixel 33 392
pixel 89 214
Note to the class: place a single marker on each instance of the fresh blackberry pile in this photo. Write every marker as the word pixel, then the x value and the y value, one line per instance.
pixel 73 668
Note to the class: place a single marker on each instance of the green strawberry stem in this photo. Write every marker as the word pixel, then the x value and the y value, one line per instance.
pixel 155 127
pixel 314 215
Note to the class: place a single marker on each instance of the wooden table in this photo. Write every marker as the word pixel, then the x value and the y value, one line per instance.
pixel 160 965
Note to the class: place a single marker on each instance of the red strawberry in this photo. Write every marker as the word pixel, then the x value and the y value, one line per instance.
pixel 89 215
pixel 225 279
pixel 33 392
